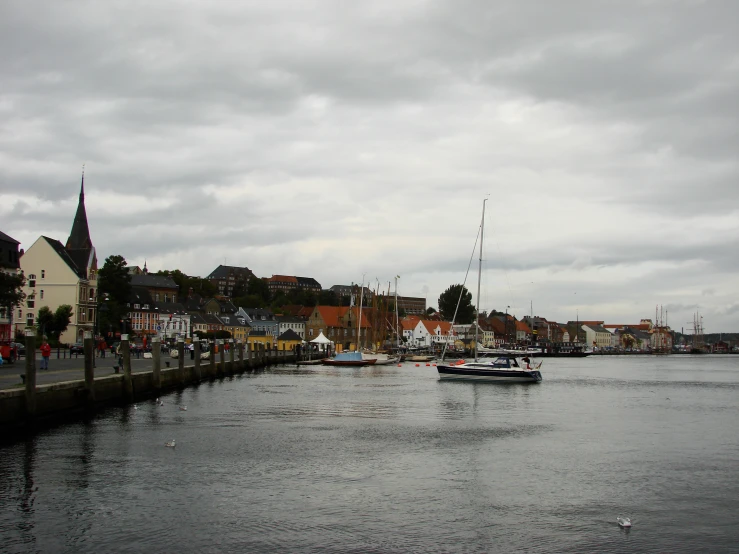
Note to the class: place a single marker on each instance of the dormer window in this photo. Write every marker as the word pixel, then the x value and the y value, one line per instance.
pixel 146 306
pixel 136 306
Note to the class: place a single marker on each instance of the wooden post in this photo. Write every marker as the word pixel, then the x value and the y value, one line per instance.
pixel 196 352
pixel 231 355
pixel 127 383
pixel 181 354
pixel 221 356
pixel 212 368
pixel 30 372
pixel 156 356
pixel 241 354
pixel 89 349
pixel 250 354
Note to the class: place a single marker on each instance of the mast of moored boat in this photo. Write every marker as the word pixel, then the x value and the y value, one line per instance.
pixel 359 319
pixel 479 279
pixel 397 328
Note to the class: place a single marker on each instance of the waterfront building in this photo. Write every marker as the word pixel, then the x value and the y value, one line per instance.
pixel 162 288
pixel 236 325
pixel 411 305
pixel 288 340
pixel 427 333
pixel 58 274
pixel 290 323
pixel 596 335
pixel 9 263
pixel 260 319
pixel 286 283
pixel 339 324
pixel 260 337
pixel 229 279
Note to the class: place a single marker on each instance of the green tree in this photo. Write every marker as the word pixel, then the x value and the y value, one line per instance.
pixel 45 321
pixel 11 290
pixel 114 284
pixel 448 304
pixel 259 287
pixel 328 298
pixel 62 318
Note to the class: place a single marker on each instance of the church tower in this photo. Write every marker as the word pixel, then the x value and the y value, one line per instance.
pixel 79 244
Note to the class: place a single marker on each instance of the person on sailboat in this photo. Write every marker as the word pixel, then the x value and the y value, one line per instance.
pixel 528 363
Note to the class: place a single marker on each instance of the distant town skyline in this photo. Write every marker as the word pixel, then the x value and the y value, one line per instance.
pixel 337 140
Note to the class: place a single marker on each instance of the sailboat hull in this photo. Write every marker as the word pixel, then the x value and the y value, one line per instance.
pixel 457 373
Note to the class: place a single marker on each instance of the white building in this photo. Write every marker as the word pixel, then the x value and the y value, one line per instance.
pixel 59 274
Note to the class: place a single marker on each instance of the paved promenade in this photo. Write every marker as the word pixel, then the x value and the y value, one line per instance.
pixel 72 369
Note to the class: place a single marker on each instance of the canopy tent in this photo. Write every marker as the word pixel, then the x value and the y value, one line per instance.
pixel 321 339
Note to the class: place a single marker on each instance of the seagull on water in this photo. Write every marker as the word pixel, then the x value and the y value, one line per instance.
pixel 623 522
pixel 170 444
pixel 183 408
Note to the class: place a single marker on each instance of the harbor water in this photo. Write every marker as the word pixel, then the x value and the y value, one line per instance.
pixel 390 459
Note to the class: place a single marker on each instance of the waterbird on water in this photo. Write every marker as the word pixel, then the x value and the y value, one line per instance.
pixel 170 444
pixel 623 522
pixel 183 408
pixel 135 407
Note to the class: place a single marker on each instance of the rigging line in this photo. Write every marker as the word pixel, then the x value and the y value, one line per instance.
pixel 461 290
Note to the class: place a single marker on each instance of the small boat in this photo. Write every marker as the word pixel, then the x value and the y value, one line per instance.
pixel 349 359
pixel 623 522
pixel 503 369
pixel 420 358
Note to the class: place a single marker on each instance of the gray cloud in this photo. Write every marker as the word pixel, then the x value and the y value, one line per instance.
pixel 334 139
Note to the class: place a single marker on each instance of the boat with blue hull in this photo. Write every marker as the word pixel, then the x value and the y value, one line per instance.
pixel 349 359
pixel 504 369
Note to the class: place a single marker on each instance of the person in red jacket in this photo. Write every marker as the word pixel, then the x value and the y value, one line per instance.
pixel 45 353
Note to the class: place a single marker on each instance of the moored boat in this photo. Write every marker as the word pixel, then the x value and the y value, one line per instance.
pixel 505 369
pixel 349 359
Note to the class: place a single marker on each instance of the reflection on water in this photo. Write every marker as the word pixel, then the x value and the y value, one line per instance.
pixel 390 459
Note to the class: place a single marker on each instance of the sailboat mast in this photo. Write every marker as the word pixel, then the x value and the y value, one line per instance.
pixel 397 327
pixel 479 279
pixel 359 319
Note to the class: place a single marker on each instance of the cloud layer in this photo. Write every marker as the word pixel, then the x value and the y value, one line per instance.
pixel 335 140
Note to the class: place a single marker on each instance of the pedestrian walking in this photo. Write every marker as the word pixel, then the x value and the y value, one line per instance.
pixel 45 353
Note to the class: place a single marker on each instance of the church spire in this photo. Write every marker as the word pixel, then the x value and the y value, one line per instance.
pixel 79 238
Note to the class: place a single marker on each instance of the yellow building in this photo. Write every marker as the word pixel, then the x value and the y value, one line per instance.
pixel 257 338
pixel 288 340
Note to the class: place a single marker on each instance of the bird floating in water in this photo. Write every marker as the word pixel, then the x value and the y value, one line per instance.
pixel 135 407
pixel 183 408
pixel 161 403
pixel 170 444
pixel 623 522
pixel 157 400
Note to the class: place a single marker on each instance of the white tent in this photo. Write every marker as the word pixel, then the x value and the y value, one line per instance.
pixel 321 339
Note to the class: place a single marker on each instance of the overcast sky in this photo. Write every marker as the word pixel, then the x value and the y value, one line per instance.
pixel 336 139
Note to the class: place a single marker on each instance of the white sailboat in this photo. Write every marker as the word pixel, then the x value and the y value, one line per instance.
pixel 506 368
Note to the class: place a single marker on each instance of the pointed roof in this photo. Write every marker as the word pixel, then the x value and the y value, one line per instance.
pixel 79 238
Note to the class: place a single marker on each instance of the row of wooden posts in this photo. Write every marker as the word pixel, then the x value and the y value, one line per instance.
pixel 255 357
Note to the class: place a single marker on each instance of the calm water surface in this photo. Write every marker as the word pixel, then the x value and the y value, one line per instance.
pixel 389 459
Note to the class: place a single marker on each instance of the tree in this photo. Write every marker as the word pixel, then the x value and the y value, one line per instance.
pixel 430 311
pixel 448 304
pixel 259 286
pixel 53 324
pixel 45 321
pixel 11 290
pixel 114 284
pixel 328 298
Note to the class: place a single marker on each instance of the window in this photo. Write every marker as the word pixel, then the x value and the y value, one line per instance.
pixel 136 306
pixel 20 314
pixel 29 320
pixel 42 294
pixel 156 297
pixel 43 273
pixel 90 315
pixel 32 280
pixel 146 306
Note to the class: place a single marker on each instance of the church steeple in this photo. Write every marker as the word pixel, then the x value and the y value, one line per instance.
pixel 79 238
